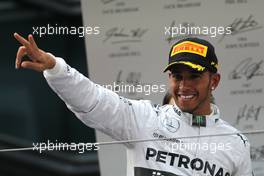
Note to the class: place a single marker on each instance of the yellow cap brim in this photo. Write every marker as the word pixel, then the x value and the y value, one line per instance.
pixel 196 67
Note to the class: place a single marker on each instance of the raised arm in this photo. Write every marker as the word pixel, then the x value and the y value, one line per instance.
pixel 94 105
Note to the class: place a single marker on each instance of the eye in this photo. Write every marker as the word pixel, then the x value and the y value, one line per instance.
pixel 177 76
pixel 195 76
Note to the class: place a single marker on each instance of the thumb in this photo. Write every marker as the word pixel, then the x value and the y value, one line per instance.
pixel 33 66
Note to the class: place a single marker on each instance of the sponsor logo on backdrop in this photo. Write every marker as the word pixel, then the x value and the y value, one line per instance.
pixel 233 2
pixel 112 7
pixel 248 116
pixel 125 40
pixel 182 4
pixel 117 35
pixel 247 71
pixel 245 26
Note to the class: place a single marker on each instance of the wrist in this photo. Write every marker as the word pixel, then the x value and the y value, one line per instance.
pixel 51 62
pixel 56 66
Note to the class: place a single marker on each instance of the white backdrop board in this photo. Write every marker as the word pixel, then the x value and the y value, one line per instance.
pixel 133 47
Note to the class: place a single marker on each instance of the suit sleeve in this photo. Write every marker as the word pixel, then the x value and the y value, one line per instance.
pixel 244 167
pixel 98 107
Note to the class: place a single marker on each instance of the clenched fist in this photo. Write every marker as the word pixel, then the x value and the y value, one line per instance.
pixel 39 59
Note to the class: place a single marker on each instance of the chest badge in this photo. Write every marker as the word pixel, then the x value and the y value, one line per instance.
pixel 171 124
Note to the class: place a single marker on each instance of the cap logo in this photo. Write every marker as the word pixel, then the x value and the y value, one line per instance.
pixel 189 47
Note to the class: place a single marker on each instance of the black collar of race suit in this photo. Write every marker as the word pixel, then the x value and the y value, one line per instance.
pixel 200 121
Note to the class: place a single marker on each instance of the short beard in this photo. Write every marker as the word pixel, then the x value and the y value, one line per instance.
pixel 191 111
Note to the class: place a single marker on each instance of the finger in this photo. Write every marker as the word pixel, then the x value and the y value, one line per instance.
pixel 20 53
pixel 32 41
pixel 22 40
pixel 32 65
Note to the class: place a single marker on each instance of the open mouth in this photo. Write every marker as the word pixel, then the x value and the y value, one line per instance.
pixel 186 97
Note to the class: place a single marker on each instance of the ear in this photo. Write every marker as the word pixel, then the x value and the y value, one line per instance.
pixel 215 79
pixel 171 81
pixel 170 75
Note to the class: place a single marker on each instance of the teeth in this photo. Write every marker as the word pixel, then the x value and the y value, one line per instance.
pixel 186 96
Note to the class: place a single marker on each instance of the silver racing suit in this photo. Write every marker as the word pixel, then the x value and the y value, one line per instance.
pixel 125 119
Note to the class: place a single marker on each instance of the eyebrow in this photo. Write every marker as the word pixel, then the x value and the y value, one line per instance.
pixel 192 72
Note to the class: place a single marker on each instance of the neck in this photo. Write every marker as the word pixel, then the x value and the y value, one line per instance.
pixel 205 110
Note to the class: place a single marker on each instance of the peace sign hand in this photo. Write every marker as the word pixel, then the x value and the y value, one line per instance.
pixel 39 59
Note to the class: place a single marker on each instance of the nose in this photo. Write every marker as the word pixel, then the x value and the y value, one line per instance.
pixel 184 83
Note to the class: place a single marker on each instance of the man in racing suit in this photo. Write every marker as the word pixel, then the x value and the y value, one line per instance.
pixel 192 78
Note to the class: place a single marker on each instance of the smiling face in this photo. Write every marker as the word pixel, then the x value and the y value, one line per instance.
pixel 192 90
